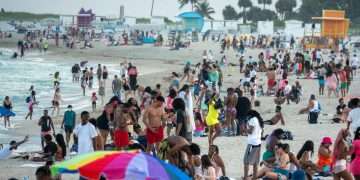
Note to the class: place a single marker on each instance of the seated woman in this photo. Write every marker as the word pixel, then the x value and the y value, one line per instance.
pixel 271 142
pixel 339 116
pixel 276 118
pixel 208 170
pixel 325 157
pixel 304 158
pixel 281 168
pixel 217 161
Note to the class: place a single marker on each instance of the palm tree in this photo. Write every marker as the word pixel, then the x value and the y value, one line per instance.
pixel 185 2
pixel 152 8
pixel 244 4
pixel 265 2
pixel 204 9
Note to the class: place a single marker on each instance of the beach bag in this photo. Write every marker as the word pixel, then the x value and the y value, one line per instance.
pixel 28 99
pixel 288 136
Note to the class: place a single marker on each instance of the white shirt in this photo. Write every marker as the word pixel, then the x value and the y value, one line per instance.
pixel 5 152
pixel 252 73
pixel 318 54
pixel 255 137
pixel 354 62
pixel 354 119
pixel 85 134
pixel 287 89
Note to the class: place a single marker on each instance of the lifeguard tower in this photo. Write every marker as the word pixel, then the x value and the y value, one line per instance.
pixel 334 27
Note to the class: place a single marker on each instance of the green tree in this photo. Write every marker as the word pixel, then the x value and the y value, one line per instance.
pixel 244 4
pixel 257 14
pixel 204 9
pixel 185 2
pixel 285 7
pixel 309 9
pixel 2 10
pixel 229 13
pixel 265 2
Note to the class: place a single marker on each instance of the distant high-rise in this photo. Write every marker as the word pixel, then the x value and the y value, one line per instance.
pixel 122 11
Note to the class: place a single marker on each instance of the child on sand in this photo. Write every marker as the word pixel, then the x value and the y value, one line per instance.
pixel 93 101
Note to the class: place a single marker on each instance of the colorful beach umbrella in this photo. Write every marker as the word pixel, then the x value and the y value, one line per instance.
pixel 73 165
pixel 6 112
pixel 139 166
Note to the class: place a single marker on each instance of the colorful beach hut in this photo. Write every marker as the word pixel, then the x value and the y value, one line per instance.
pixel 192 21
pixel 334 24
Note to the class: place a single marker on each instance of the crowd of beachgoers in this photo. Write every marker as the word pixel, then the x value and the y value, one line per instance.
pixel 163 119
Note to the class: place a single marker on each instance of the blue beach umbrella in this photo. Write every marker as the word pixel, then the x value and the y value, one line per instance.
pixel 5 112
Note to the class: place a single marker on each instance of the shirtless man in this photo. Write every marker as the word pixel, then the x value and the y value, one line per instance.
pixel 154 120
pixel 271 76
pixel 276 118
pixel 121 133
pixel 230 103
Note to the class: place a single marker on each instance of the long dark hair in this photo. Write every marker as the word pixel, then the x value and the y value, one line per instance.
pixel 308 146
pixel 61 142
pixel 179 104
pixel 205 162
pixel 253 113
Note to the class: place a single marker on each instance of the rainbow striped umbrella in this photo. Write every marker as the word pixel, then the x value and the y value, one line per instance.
pixel 119 165
pixel 72 165
pixel 139 166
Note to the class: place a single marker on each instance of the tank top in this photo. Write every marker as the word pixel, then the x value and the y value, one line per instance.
pixel 316 107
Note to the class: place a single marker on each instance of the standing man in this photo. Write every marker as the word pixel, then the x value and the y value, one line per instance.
pixel 46 125
pixel 252 153
pixel 99 73
pixel 116 86
pixel 69 123
pixel 85 134
pixel 154 120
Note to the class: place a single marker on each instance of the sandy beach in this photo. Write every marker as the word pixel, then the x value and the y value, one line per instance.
pixel 155 63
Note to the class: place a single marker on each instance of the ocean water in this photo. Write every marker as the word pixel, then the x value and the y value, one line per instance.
pixel 17 75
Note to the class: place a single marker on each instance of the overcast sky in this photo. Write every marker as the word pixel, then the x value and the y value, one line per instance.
pixel 137 8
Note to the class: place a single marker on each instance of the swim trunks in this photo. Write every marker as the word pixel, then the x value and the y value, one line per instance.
pixel 121 138
pixel 155 137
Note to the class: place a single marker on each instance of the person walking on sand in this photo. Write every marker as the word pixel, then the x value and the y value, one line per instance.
pixel 254 130
pixel 116 86
pixel 46 125
pixel 212 118
pixel 99 73
pixel 102 91
pixel 7 104
pixel 93 101
pixel 85 134
pixel 68 123
pixel 230 112
pixel 31 104
pixel 91 77
pixel 56 102
pixel 154 120
pixel 83 84
pixel 105 74
pixel 132 73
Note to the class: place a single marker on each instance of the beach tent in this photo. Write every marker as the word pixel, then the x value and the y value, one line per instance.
pixel 192 21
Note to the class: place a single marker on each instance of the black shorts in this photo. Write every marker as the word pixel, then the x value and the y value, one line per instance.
pixel 69 129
